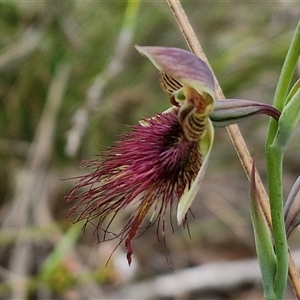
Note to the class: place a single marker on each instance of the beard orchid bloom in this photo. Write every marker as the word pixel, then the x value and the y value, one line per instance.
pixel 160 164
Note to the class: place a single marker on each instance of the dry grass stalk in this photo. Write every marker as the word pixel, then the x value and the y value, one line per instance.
pixel 234 133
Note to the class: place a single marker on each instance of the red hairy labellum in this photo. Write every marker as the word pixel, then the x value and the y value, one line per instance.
pixel 150 167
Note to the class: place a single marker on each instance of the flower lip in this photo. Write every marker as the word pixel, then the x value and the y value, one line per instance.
pixel 150 167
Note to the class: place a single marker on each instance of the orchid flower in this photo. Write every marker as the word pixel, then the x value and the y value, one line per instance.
pixel 162 161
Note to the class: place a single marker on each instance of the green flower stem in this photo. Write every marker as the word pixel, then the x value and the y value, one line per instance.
pixel 274 156
pixel 274 166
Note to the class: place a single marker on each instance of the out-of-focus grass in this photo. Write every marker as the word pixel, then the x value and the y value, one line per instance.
pixel 245 43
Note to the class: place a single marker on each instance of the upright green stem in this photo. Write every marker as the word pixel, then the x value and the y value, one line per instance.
pixel 274 155
pixel 274 168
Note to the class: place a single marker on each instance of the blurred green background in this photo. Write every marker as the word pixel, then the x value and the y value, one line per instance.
pixel 70 81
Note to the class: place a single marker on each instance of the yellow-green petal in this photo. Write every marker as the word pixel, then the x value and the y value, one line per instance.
pixel 189 195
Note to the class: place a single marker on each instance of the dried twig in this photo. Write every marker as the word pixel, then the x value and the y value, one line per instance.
pixel 234 132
